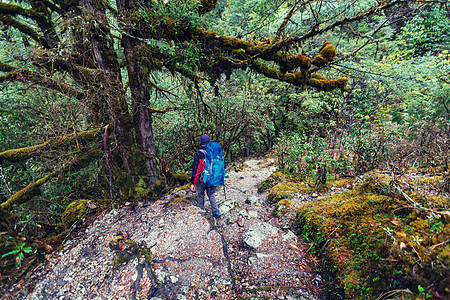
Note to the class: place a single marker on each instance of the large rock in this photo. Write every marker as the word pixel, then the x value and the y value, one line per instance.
pixel 257 233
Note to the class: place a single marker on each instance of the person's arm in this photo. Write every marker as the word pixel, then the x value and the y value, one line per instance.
pixel 201 167
pixel 195 166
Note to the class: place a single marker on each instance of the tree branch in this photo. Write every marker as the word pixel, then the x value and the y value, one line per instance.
pixel 21 154
pixel 9 9
pixel 286 20
pixel 33 189
pixel 27 75
pixel 162 111
pixel 300 78
pixel 315 32
pixel 4 67
pixel 24 28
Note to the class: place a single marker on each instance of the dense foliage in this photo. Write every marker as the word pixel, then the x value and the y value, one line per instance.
pixel 106 100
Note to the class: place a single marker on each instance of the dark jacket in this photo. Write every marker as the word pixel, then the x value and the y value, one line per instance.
pixel 197 157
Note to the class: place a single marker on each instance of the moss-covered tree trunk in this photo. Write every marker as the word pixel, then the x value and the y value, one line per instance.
pixel 107 63
pixel 140 92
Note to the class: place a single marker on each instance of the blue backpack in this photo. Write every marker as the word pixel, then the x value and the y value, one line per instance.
pixel 214 172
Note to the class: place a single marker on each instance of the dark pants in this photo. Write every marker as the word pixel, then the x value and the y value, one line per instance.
pixel 201 188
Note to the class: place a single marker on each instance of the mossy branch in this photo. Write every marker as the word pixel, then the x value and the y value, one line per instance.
pixel 162 111
pixel 24 28
pixel 37 78
pixel 50 61
pixel 9 9
pixel 21 154
pixel 300 78
pixel 4 67
pixel 33 189
pixel 251 52
pixel 265 49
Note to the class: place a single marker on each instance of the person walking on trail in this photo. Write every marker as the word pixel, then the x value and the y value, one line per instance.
pixel 197 183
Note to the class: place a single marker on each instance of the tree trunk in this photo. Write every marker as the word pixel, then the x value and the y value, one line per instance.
pixel 110 80
pixel 140 92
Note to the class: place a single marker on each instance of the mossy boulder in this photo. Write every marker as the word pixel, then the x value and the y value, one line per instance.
pixel 271 181
pixel 73 212
pixel 373 239
pixel 341 182
pixel 285 190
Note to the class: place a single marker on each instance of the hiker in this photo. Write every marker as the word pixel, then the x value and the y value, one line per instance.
pixel 197 183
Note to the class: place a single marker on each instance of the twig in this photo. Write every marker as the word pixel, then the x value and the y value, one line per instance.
pixel 106 149
pixel 3 178
pixel 437 245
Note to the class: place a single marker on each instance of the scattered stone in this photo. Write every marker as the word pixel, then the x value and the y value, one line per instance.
pixel 314 195
pixel 258 256
pixel 289 235
pixel 257 233
pixel 253 214
pixel 252 200
pixel 230 220
pixel 160 274
pixel 240 221
pixel 316 280
pixel 243 214
pixel 228 205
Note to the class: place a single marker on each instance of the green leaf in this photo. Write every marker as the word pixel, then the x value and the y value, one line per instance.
pixel 12 252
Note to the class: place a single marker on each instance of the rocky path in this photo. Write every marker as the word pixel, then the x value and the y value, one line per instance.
pixel 172 249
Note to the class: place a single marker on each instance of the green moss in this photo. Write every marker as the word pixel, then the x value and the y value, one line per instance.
pixel 141 187
pixel 341 182
pixel 185 187
pixel 127 249
pixel 285 202
pixel 370 234
pixel 118 260
pixel 271 181
pixel 73 212
pixel 285 190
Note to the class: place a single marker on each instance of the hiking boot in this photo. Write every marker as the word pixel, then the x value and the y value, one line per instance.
pixel 217 214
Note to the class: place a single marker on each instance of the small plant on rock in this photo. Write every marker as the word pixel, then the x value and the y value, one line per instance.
pixel 19 253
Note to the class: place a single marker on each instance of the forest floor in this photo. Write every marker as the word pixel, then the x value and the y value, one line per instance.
pixel 172 249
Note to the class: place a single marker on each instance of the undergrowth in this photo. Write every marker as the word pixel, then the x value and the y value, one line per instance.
pixel 379 237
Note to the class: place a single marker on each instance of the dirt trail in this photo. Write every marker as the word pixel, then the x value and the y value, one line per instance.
pixel 172 249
